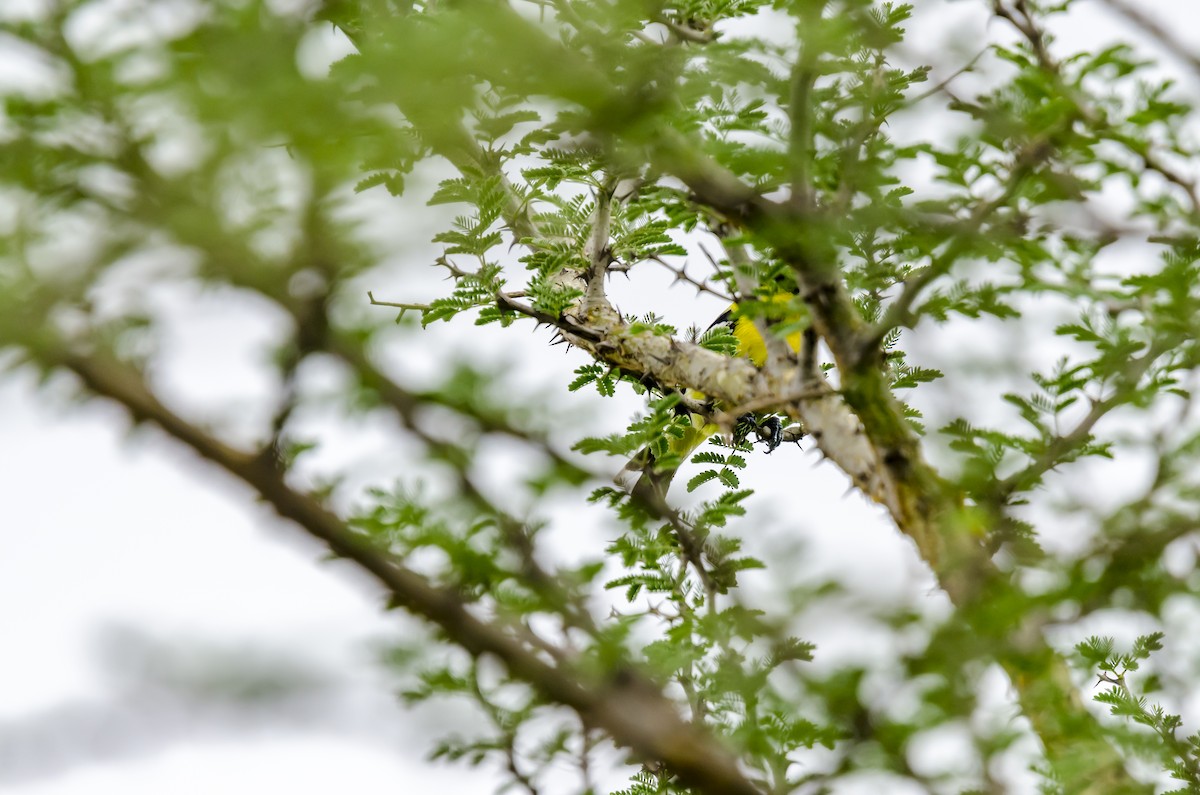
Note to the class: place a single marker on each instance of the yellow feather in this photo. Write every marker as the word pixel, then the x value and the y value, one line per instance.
pixel 750 345
pixel 750 342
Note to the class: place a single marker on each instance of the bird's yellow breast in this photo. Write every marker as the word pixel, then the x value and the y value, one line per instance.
pixel 750 342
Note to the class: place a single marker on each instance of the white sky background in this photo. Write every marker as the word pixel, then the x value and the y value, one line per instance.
pixel 123 559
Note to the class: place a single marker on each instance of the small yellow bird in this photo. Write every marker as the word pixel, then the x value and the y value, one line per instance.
pixel 779 309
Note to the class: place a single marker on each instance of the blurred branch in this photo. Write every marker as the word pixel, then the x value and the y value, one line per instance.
pixel 1064 445
pixel 800 109
pixel 1018 14
pixel 1158 31
pixel 405 403
pixel 631 709
pixel 900 313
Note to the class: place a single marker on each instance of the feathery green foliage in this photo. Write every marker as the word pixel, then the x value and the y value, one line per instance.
pixel 995 258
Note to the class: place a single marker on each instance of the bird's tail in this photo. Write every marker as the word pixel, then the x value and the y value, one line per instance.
pixel 645 482
pixel 643 479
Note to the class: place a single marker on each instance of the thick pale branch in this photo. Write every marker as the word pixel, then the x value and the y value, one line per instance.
pixel 599 256
pixel 674 364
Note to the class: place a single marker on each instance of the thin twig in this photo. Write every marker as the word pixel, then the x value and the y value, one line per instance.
pixel 681 275
pixel 398 305
pixel 943 84
pixel 509 733
pixel 562 324
pixel 690 545
pixel 1070 441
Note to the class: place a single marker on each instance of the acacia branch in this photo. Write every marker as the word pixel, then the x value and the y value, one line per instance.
pixel 691 547
pixel 685 32
pixel 727 418
pixel 397 304
pixel 681 275
pixel 673 363
pixel 599 256
pixel 920 502
pixel 632 710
